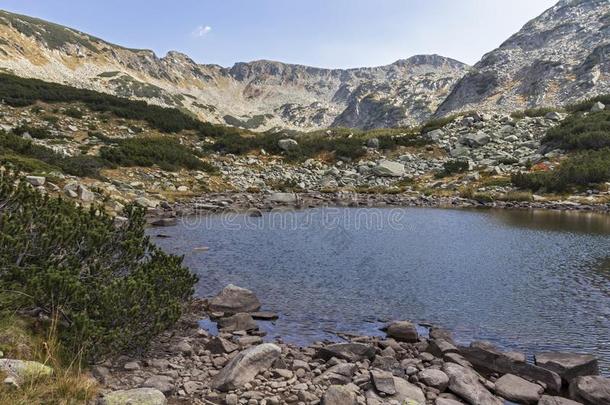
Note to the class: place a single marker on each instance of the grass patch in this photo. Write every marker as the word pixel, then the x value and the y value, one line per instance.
pixel 532 112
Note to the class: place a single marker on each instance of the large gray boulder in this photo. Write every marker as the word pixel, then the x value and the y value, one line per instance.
pixel 339 395
pixel 36 181
pixel 568 365
pixel 591 390
pixel 598 106
pixel 23 370
pixel 475 140
pixel 387 168
pixel 163 383
pixel 434 378
pixel 486 358
pixel 339 374
pixel 406 393
pixel 245 366
pixel 287 144
pixel 465 383
pixel 351 352
pixel 403 331
pixel 138 396
pixel 233 299
pixel 516 389
pixel 383 381
pixel 283 198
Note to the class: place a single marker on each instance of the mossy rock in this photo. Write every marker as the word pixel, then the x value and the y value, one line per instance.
pixel 24 370
pixel 138 396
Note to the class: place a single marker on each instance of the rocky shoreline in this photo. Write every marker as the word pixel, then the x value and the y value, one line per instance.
pixel 189 365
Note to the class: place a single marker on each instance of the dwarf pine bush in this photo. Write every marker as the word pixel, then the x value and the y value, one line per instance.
pixel 112 289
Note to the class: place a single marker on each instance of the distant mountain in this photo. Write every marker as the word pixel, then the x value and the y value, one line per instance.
pixel 256 95
pixel 560 57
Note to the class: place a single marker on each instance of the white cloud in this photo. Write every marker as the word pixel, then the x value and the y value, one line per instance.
pixel 202 31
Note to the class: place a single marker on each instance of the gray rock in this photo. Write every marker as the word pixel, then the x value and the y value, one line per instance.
pixel 287 144
pixel 568 365
pixel 434 378
pixel 283 198
pixel 434 135
pixel 403 331
pixel 84 194
pixel 339 395
pixel 163 383
pixel 373 143
pixel 339 374
pixel 591 390
pixel 245 366
pixel 465 383
pixel 387 168
pixel 219 345
pixel 476 140
pixel 516 389
pixel 23 370
pixel 240 321
pixel 485 357
pixel 138 396
pixel 146 202
pixel 233 299
pixel 598 106
pixel 553 116
pixel 36 181
pixel 352 352
pixel 383 381
pixel 549 400
pixel 406 392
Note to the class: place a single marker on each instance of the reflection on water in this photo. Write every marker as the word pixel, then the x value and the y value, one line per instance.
pixel 525 280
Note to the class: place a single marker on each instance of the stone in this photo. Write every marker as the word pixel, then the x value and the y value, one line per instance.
pixel 240 321
pixel 351 352
pixel 434 378
pixel 486 358
pixel 383 381
pixel 465 383
pixel 591 390
pixel 403 331
pixel 283 198
pixel 233 299
pixel 132 365
pixel 598 106
pixel 553 116
pixel 373 143
pixel 244 367
pixel 146 203
pixel 85 194
pixel 475 140
pixel 406 392
pixel 219 345
pixel 517 389
pixel 163 383
pixel 265 315
pixel 287 144
pixel 447 401
pixel 10 382
pixel 138 396
pixel 568 365
pixel 231 399
pixel 165 222
pixel 387 168
pixel 339 395
pixel 550 400
pixel 440 347
pixel 36 181
pixel 339 374
pixel 23 370
pixel 434 135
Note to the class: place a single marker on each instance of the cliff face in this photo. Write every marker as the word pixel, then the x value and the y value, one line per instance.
pixel 560 57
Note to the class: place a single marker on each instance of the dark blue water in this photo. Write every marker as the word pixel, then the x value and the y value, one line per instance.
pixel 525 280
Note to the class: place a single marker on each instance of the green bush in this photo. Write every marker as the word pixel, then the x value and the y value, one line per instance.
pixel 578 171
pixel 112 289
pixel 586 105
pixel 163 151
pixel 453 166
pixel 533 112
pixel 74 113
pixel 35 132
pixel 579 131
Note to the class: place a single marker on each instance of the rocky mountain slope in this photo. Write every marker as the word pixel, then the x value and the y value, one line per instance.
pixel 256 95
pixel 557 58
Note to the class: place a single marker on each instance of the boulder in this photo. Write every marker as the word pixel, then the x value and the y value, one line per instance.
pixel 138 396
pixel 219 345
pixel 439 347
pixel 339 374
pixel 406 392
pixel 283 198
pixel 465 383
pixel 233 299
pixel 287 144
pixel 351 352
pixel 486 358
pixel 553 116
pixel 245 366
pixel 516 389
pixel 446 401
pixel 339 395
pixel 591 390
pixel 36 181
pixel 373 143
pixel 598 106
pixel 23 370
pixel 475 140
pixel 434 135
pixel 387 168
pixel 383 381
pixel 165 222
pixel 403 331
pixel 85 194
pixel 568 365
pixel 549 400
pixel 240 321
pixel 163 383
pixel 434 378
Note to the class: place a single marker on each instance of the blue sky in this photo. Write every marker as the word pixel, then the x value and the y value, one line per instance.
pixel 325 33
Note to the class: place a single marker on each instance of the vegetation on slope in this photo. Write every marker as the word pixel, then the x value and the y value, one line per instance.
pixel 110 287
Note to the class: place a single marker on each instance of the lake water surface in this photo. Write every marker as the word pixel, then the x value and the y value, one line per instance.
pixel 525 280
